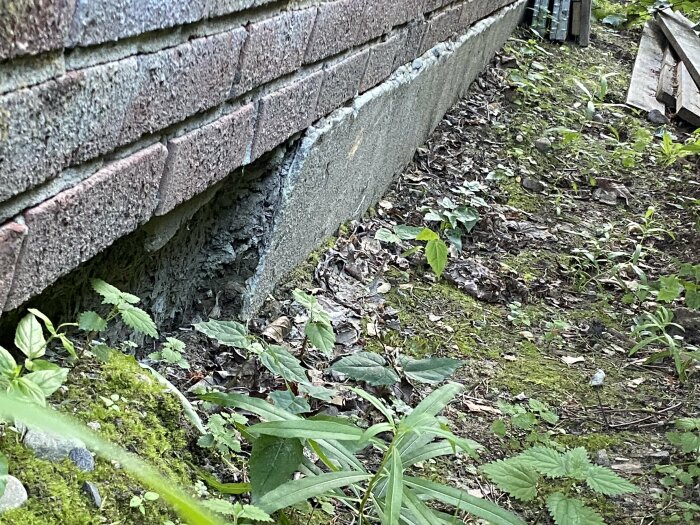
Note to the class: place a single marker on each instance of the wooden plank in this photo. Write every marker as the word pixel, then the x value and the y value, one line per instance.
pixel 678 30
pixel 560 21
pixel 688 97
pixel 666 88
pixel 584 38
pixel 647 67
pixel 576 18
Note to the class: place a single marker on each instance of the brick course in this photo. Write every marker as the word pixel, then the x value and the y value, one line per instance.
pixel 341 81
pixel 441 27
pixel 31 26
pixel 77 224
pixel 381 62
pixel 336 29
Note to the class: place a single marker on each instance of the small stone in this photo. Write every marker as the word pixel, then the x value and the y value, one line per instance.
pixel 417 63
pixel 656 117
pixel 94 425
pixel 49 446
pixel 532 184
pixel 91 490
pixel 82 459
pixel 602 459
pixel 598 118
pixel 543 145
pixel 14 496
pixel 519 138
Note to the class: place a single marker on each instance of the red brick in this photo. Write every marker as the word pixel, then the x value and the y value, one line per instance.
pixel 11 237
pixel 336 29
pixel 410 46
pixel 284 112
pixel 203 157
pixel 441 27
pixel 274 47
pixel 380 64
pixel 78 223
pixel 341 82
pixel 33 26
pixel 377 19
pixel 406 10
pixel 181 81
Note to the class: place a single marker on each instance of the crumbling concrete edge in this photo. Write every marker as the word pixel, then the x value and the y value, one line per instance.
pixel 345 162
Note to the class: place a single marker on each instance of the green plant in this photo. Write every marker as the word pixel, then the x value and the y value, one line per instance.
pixel 36 379
pixel 237 511
pixel 383 493
pixel 652 329
pixel 687 283
pixel 318 329
pixel 138 502
pixel 533 419
pixel 672 152
pixel 436 251
pixel 454 220
pixel 171 353
pixel 222 434
pixel 554 480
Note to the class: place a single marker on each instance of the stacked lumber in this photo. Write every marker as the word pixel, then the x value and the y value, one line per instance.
pixel 560 20
pixel 666 73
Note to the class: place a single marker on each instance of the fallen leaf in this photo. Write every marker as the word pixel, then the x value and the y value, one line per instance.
pixel 634 383
pixel 384 288
pixel 277 330
pixel 474 407
pixel 570 360
pixel 434 318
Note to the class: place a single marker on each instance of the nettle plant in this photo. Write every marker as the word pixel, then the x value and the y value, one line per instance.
pixel 555 480
pixel 385 493
pixel 171 353
pixel 436 251
pixel 534 419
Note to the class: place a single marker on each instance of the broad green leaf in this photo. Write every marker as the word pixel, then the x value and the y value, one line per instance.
pixel 692 299
pixel 318 392
pixel 670 288
pixel 462 500
pixel 468 217
pixel 427 234
pixel 385 235
pixel 432 370
pixel 307 301
pixel 498 427
pixel 4 470
pixel 394 493
pixel 524 420
pixel 259 407
pixel 253 513
pixel 48 380
pixel 434 403
pixel 368 367
pixel 110 294
pixel 686 441
pixel 29 337
pixel 67 345
pixel 321 335
pixel 426 452
pixel 22 388
pixel 688 423
pixel 308 429
pixel 286 400
pixel 436 252
pixel 299 490
pixel 570 511
pixel 136 318
pixel 227 333
pixel 47 322
pixel 545 460
pixel 279 361
pixel 420 512
pixel 189 510
pixel 407 233
pixel 577 463
pixel 605 481
pixel 91 322
pixel 272 463
pixel 7 363
pixel 515 477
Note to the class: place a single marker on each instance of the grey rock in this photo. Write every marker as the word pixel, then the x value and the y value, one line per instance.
pixel 82 459
pixel 14 496
pixel 532 184
pixel 543 145
pixel 602 459
pixel 93 492
pixel 598 118
pixel 49 446
pixel 519 138
pixel 417 63
pixel 656 117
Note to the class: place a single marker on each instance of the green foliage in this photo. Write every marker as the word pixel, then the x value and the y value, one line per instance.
pixel 123 306
pixel 222 435
pixel 139 502
pixel 556 478
pixel 672 152
pixel 319 329
pixel 532 420
pixel 237 511
pixel 171 353
pixel 3 473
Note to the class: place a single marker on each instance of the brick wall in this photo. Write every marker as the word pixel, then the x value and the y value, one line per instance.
pixel 113 112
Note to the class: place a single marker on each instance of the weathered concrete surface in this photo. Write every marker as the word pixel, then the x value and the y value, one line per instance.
pixel 77 224
pixel 345 162
pixel 11 236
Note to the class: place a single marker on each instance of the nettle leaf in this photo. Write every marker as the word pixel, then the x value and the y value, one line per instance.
pixel 432 370
pixel 386 235
pixel 407 233
pixel 577 463
pixel 29 337
pixel 368 367
pixel 110 294
pixel 515 477
pixel 321 335
pixel 91 322
pixel 436 252
pixel 279 361
pixel 7 363
pixel 570 511
pixel 605 481
pixel 426 234
pixel 545 460
pixel 670 288
pixel 692 299
pixel 272 462
pixel 227 333
pixel 286 400
pixel 48 381
pixel 136 318
pixel 253 513
pixel 318 392
pixel 686 441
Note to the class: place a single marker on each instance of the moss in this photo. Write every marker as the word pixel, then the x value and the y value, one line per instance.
pixel 149 422
pixel 591 442
pixel 302 275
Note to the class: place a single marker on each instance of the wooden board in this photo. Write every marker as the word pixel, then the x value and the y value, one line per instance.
pixel 584 37
pixel 678 30
pixel 560 20
pixel 666 88
pixel 688 97
pixel 575 18
pixel 647 67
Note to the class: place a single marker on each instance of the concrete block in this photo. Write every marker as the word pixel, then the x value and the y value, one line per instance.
pixel 178 82
pixel 406 10
pixel 381 62
pixel 29 27
pixel 98 21
pixel 411 36
pixel 341 82
pixel 65 121
pixel 441 27
pixel 336 29
pixel 11 237
pixel 226 7
pixel 203 157
pixel 377 19
pixel 432 5
pixel 78 223
pixel 274 47
pixel 345 163
pixel 284 112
